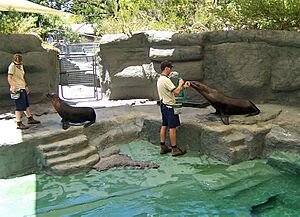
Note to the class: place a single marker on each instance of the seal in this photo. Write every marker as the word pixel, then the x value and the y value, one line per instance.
pixel 121 160
pixel 225 105
pixel 71 114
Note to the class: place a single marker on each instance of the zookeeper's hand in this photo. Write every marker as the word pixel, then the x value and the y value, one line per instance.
pixel 187 84
pixel 27 90
pixel 13 89
pixel 181 82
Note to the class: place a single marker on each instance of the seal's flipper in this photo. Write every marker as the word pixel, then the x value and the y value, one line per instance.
pixel 65 125
pixel 224 118
pixel 88 124
pixel 255 112
pixel 252 114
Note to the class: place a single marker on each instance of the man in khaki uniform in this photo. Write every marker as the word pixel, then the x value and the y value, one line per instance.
pixel 17 82
pixel 167 91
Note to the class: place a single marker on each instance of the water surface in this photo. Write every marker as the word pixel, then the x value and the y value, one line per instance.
pixel 190 185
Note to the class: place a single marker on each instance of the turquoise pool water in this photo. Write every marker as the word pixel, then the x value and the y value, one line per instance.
pixel 191 185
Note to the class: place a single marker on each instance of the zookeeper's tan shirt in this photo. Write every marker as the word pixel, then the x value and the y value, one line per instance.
pixel 165 88
pixel 17 75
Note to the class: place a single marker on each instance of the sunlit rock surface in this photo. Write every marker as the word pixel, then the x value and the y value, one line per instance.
pixel 258 65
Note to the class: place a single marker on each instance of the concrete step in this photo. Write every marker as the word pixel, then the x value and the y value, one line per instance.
pixel 72 167
pixel 64 152
pixel 54 137
pixel 74 142
pixel 72 157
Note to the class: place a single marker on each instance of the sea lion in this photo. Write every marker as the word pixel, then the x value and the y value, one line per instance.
pixel 225 105
pixel 71 114
pixel 122 160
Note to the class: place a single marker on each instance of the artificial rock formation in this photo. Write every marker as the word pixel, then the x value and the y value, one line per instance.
pixel 262 66
pixel 40 64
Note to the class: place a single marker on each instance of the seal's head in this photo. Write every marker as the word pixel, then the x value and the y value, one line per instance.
pixel 199 86
pixel 56 102
pixel 52 96
pixel 17 58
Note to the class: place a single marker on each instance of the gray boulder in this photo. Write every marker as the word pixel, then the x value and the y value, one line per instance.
pixel 261 66
pixel 283 138
pixel 139 80
pixel 41 66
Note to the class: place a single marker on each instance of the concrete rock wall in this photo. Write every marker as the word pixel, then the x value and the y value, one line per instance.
pixel 263 66
pixel 41 66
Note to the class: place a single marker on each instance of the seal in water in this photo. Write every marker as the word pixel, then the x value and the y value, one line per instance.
pixel 71 114
pixel 121 160
pixel 225 105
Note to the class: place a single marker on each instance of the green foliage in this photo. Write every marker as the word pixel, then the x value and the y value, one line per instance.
pixel 93 10
pixel 136 15
pixel 183 16
pixel 56 25
pixel 15 22
pixel 189 16
pixel 260 14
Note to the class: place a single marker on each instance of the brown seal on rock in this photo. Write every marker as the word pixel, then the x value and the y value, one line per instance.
pixel 225 105
pixel 71 114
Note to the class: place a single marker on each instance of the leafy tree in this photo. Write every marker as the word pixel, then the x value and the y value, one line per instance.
pixel 183 16
pixel 15 22
pixel 56 25
pixel 93 10
pixel 260 14
pixel 41 24
pixel 173 15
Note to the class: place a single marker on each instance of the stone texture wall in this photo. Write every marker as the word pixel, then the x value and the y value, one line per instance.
pixel 17 160
pixel 41 66
pixel 263 66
